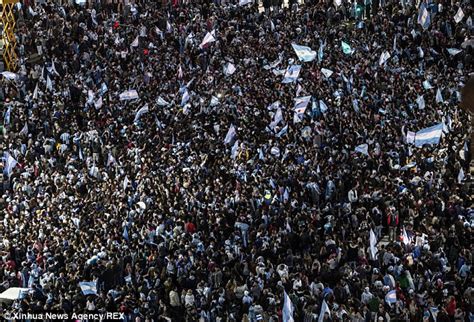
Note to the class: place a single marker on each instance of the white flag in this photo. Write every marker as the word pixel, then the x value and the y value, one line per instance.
pixel 214 101
pixel 185 98
pixel 411 137
pixel 231 133
pixel 324 310
pixel 208 39
pixel 326 72
pixel 459 15
pixel 439 96
pixel 180 72
pixel 288 309
pixel 135 42
pixel 373 245
pixel 9 75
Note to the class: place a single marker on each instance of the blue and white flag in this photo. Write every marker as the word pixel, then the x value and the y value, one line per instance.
pixel 362 148
pixel 429 135
pixel 161 101
pixel 326 72
pixel 424 18
pixel 229 69
pixel 324 310
pixel 9 75
pixel 244 2
pixel 125 233
pixel 10 164
pixel 439 96
pixel 459 15
pixel 140 112
pixel 405 238
pixel 234 150
pixel 88 288
pixel 292 73
pixel 301 103
pixel 427 85
pixel 231 133
pixel 391 297
pixel 461 175
pixel 453 51
pixel 421 102
pixel 304 53
pixel 346 49
pixel 384 57
pixel 111 160
pixel 49 84
pixel 373 245
pixel 128 95
pixel 210 37
pixel 7 116
pixel 321 51
pixel 214 101
pixel 277 118
pixel 282 132
pixel 323 107
pixel 24 130
pixel 185 97
pixel 288 309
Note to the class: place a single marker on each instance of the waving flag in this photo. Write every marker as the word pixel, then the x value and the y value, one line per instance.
pixel 373 245
pixel 185 97
pixel 282 132
pixel 439 96
pixel 405 238
pixel 231 133
pixel 453 51
pixel 210 37
pixel 304 53
pixel 324 310
pixel 429 135
pixel 128 95
pixel 161 102
pixel 288 309
pixel 363 148
pixel 459 15
pixel 9 75
pixel 234 150
pixel 277 118
pixel 391 297
pixel 180 72
pixel 135 42
pixel 140 112
pixel 326 72
pixel 301 103
pixel 321 51
pixel 346 49
pixel 323 107
pixel 98 104
pixel 24 130
pixel 10 164
pixel 88 288
pixel 427 85
pixel 229 69
pixel 421 102
pixel 424 18
pixel 291 74
pixel 384 57
pixel 244 2
pixel 7 115
pixel 111 160
pixel 461 175
pixel 49 83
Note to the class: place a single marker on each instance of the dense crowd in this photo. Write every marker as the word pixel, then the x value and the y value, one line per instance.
pixel 206 197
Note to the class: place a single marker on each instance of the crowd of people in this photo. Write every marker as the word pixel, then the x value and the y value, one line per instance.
pixel 156 154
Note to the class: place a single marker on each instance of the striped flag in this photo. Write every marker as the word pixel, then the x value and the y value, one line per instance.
pixel 323 107
pixel 439 96
pixel 459 15
pixel 140 112
pixel 24 130
pixel 10 164
pixel 429 135
pixel 391 297
pixel 231 133
pixel 373 245
pixel 128 95
pixel 384 57
pixel 210 37
pixel 424 18
pixel 324 310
